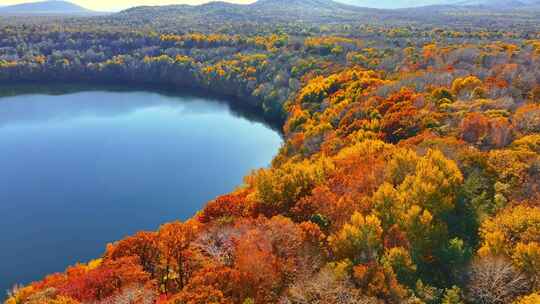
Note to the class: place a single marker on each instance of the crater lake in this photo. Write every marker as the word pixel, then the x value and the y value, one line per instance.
pixel 82 169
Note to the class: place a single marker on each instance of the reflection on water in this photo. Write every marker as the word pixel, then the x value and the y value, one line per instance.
pixel 35 109
pixel 82 169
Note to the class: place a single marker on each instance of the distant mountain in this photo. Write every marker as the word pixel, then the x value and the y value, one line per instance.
pixel 218 14
pixel 287 4
pixel 307 10
pixel 262 10
pixel 395 4
pixel 512 4
pixel 45 8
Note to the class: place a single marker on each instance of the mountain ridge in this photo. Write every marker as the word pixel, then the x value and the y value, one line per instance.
pixel 408 4
pixel 217 14
pixel 350 5
pixel 54 7
pixel 271 10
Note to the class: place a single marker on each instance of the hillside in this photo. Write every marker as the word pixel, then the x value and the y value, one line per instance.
pixel 263 10
pixel 46 8
pixel 409 172
pixel 208 17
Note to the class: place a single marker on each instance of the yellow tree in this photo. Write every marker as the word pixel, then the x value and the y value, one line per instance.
pixel 530 299
pixel 434 185
pixel 515 233
pixel 359 240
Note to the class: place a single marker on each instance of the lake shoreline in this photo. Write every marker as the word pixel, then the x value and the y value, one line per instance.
pixel 54 88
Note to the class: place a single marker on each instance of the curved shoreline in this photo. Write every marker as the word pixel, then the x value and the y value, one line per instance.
pixel 235 103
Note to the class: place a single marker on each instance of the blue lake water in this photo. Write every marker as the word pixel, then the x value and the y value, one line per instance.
pixel 79 170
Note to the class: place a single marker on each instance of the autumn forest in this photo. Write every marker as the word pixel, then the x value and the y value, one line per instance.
pixel 409 172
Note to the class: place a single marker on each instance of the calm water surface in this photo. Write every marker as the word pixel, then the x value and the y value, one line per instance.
pixel 80 170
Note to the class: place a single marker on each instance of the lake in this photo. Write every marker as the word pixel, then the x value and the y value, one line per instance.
pixel 81 169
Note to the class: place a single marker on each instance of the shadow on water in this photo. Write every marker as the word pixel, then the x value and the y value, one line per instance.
pixel 236 106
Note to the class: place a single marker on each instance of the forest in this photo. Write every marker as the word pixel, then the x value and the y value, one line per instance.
pixel 410 171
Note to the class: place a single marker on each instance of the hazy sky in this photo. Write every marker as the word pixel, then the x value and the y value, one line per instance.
pixel 111 5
